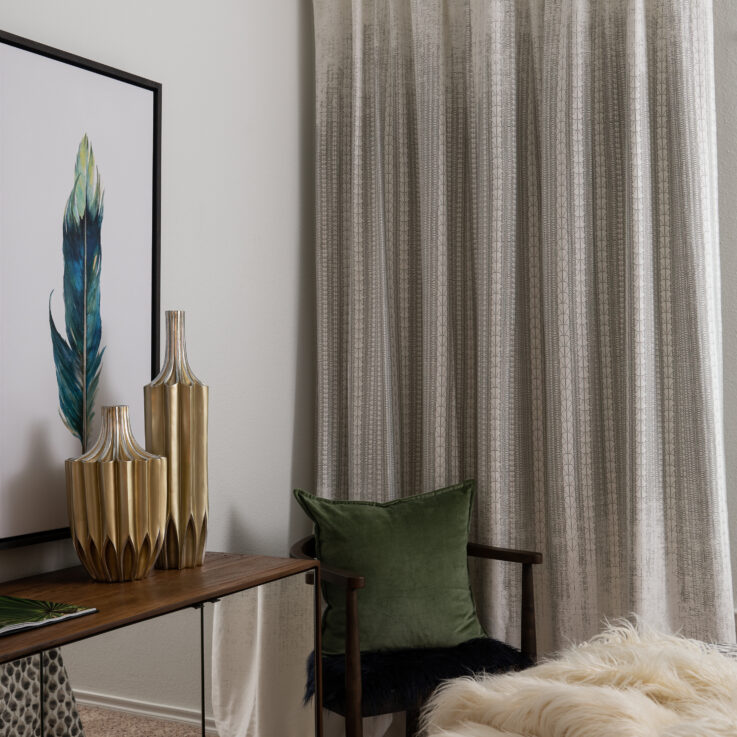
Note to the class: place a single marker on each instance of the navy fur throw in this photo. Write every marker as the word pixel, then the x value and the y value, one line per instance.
pixel 397 680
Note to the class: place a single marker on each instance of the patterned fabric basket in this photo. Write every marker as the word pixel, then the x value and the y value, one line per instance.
pixel 20 689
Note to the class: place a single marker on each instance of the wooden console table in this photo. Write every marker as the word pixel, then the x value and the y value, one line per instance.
pixel 163 592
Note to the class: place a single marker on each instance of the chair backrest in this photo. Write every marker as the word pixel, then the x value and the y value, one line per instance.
pixel 304 548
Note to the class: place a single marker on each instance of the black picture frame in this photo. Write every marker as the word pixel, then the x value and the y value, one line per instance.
pixel 80 62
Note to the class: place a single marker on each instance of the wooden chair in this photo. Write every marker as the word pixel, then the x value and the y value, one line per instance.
pixel 342 675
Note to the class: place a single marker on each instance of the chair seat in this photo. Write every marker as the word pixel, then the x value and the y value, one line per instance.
pixel 398 680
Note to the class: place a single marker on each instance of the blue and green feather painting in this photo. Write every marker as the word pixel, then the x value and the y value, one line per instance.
pixel 78 359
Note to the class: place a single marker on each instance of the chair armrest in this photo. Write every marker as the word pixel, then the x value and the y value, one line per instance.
pixel 305 550
pixel 477 550
pixel 528 558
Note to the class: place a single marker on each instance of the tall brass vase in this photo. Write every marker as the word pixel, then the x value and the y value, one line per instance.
pixel 176 427
pixel 116 497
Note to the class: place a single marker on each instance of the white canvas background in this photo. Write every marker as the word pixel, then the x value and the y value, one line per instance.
pixel 46 107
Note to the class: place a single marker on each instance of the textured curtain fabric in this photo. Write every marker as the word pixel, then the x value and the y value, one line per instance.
pixel 518 282
pixel 261 641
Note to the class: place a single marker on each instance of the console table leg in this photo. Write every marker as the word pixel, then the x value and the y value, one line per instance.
pixel 201 607
pixel 42 688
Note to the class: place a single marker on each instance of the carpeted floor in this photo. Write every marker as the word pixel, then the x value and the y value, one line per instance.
pixel 112 723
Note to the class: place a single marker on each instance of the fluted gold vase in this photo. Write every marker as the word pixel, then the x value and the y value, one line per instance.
pixel 116 497
pixel 176 427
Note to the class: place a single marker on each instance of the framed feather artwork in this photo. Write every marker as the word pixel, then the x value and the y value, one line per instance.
pixel 80 162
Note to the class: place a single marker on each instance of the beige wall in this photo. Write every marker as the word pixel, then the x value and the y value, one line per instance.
pixel 237 235
pixel 725 59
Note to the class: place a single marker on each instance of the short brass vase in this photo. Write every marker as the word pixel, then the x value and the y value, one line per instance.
pixel 116 497
pixel 176 427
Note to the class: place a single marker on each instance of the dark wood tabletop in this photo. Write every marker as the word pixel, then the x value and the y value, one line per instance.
pixel 121 604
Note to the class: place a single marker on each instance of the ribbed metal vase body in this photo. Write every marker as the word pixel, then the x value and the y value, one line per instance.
pixel 116 498
pixel 176 404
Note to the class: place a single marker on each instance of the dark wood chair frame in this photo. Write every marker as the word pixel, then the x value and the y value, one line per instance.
pixel 352 582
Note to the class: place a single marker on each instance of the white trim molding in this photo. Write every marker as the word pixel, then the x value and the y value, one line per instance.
pixel 149 709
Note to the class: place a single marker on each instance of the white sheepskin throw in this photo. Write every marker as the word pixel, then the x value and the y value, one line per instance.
pixel 628 681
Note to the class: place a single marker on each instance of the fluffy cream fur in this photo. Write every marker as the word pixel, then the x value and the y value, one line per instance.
pixel 629 681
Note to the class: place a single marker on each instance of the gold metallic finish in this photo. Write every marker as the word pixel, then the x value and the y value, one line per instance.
pixel 116 498
pixel 176 427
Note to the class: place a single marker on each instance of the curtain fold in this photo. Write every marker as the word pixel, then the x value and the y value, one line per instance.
pixel 518 282
pixel 261 641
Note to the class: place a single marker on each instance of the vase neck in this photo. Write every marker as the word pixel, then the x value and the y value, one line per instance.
pixel 115 441
pixel 175 369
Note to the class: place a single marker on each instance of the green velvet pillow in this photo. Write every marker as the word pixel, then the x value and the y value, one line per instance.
pixel 412 553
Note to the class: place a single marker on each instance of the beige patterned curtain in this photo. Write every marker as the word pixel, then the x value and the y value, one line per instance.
pixel 518 282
